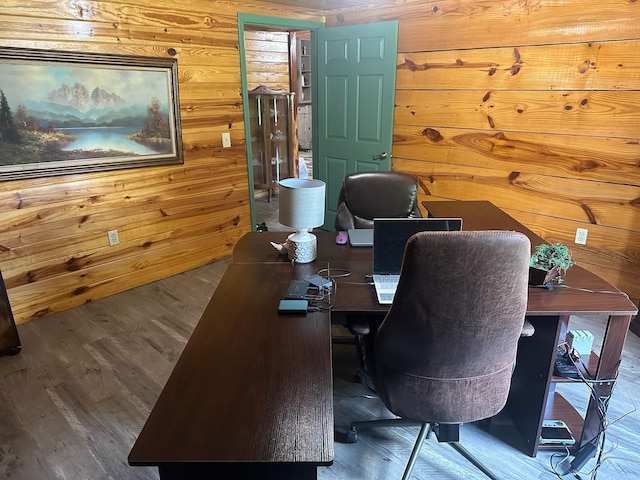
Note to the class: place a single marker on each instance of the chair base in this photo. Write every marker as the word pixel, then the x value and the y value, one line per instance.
pixel 448 433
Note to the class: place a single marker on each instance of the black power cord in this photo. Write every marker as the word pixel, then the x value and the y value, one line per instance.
pixel 569 465
pixel 593 447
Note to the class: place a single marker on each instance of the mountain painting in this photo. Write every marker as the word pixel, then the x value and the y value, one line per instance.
pixel 58 116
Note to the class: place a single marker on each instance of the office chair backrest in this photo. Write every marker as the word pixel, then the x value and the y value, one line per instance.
pixel 368 195
pixel 445 351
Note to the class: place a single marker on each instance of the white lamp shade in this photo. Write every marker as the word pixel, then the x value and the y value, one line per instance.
pixel 301 203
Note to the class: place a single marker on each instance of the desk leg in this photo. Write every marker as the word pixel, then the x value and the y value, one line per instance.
pixel 610 356
pixel 213 471
pixel 520 422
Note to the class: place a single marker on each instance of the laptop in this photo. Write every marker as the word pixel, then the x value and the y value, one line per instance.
pixel 390 236
pixel 360 237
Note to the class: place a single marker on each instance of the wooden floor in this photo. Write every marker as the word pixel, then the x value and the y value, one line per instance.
pixel 267 211
pixel 73 401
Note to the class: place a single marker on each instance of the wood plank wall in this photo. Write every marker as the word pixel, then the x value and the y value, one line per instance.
pixel 534 106
pixel 267 56
pixel 54 251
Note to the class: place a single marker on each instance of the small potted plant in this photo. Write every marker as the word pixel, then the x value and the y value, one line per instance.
pixel 548 263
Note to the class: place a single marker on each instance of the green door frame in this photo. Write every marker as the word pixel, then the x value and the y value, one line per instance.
pixel 245 19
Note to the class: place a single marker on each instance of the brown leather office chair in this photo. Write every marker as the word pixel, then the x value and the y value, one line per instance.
pixel 443 356
pixel 363 197
pixel 368 195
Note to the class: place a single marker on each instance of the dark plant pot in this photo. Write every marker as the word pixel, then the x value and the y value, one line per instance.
pixel 536 276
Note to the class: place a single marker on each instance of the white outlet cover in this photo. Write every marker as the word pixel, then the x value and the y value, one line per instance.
pixel 581 236
pixel 113 237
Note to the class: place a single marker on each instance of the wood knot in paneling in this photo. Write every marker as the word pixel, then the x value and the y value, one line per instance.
pixel 500 136
pixel 408 65
pixel 588 65
pixel 72 264
pixel 41 313
pixel 515 68
pixel 432 134
pixel 586 165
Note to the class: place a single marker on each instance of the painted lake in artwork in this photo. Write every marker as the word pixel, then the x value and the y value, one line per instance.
pixel 105 138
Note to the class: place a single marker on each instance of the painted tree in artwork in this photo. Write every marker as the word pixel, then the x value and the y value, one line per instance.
pixel 8 130
pixel 156 126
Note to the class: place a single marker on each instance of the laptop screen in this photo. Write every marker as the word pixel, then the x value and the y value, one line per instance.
pixel 390 236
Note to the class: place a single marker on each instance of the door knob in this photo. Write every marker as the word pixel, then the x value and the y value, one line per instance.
pixel 381 156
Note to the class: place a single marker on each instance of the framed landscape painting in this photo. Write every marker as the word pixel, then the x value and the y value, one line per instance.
pixel 75 112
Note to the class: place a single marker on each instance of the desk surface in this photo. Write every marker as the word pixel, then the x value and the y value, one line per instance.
pixel 250 385
pixel 354 294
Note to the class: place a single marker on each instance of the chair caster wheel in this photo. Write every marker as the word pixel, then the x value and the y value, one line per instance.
pixel 349 436
pixel 11 351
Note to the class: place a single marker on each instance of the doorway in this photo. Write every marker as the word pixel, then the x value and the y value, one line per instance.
pixel 275 56
pixel 354 86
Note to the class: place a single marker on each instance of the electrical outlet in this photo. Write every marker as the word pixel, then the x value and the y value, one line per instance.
pixel 581 236
pixel 226 140
pixel 113 237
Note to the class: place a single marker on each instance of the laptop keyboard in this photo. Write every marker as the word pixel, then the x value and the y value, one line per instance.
pixel 385 286
pixel 387 282
pixel 386 297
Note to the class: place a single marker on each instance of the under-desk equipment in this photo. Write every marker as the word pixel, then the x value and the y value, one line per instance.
pixel 390 236
pixel 245 399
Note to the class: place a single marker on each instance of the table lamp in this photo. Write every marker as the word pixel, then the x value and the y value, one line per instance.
pixel 302 208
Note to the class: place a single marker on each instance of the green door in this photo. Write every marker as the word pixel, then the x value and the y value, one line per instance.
pixel 353 104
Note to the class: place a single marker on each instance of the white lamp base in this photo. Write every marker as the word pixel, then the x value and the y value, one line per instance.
pixel 302 247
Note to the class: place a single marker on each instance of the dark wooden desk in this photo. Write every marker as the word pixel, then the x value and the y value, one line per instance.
pixel 532 397
pixel 252 392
